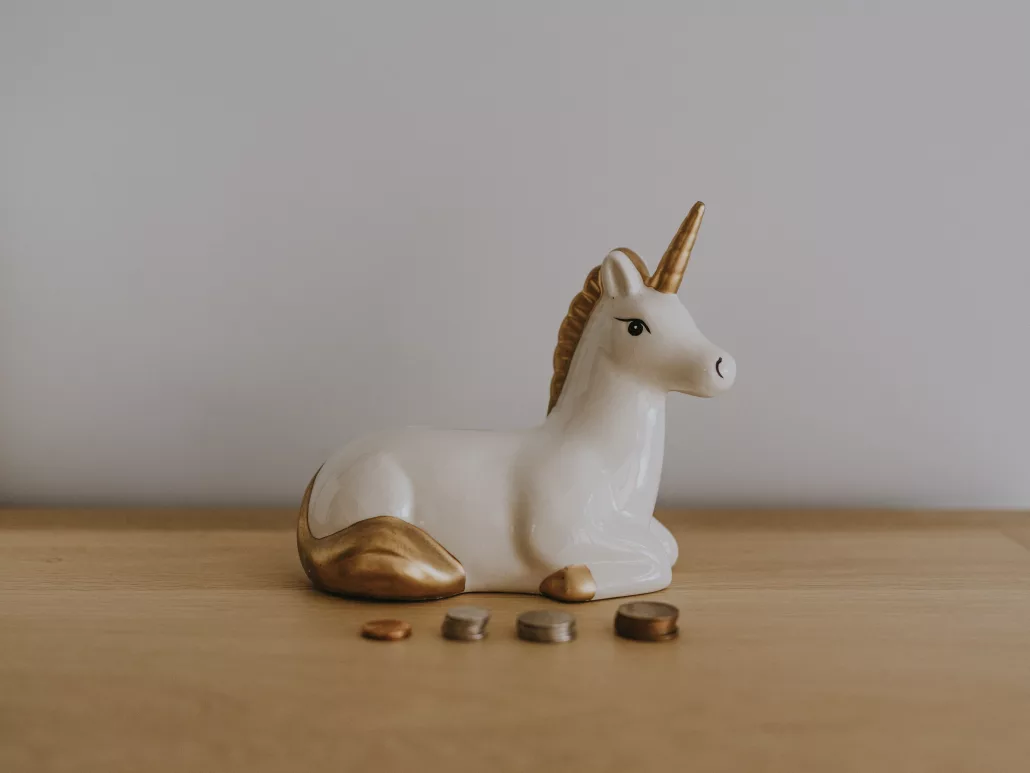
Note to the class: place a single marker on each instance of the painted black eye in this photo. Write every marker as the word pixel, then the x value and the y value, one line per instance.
pixel 635 326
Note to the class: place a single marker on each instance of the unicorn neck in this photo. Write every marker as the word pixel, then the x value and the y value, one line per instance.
pixel 620 418
pixel 601 399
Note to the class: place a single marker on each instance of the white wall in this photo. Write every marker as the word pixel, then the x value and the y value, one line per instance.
pixel 235 235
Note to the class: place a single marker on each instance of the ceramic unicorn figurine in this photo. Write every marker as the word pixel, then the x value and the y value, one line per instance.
pixel 565 509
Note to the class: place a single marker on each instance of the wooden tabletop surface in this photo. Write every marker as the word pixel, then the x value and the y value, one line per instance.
pixel 816 641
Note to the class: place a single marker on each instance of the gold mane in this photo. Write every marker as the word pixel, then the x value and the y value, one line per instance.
pixel 575 322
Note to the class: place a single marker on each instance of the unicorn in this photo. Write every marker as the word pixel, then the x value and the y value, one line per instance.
pixel 565 509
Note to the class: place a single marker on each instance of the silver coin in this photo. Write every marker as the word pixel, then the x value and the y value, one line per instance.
pixel 465 623
pixel 546 625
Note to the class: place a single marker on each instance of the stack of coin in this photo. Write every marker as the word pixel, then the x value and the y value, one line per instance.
pixel 465 623
pixel 386 630
pixel 546 625
pixel 647 621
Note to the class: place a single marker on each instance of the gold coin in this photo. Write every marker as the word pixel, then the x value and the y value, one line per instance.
pixel 386 630
pixel 647 621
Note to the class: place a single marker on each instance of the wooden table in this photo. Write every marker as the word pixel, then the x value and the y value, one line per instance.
pixel 824 641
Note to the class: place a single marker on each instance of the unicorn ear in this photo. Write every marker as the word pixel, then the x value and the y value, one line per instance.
pixel 620 275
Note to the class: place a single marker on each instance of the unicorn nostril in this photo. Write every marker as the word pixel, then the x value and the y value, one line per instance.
pixel 718 362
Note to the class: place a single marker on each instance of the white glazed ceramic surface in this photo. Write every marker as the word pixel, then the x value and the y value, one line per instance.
pixel 513 507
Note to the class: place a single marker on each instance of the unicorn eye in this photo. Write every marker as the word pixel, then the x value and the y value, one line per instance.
pixel 635 326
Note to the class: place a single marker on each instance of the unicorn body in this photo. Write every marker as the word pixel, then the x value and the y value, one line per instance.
pixel 566 508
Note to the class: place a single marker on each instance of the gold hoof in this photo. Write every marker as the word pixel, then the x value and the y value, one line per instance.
pixel 378 558
pixel 571 583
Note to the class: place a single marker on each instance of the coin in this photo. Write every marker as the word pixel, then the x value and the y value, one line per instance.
pixel 647 621
pixel 465 623
pixel 386 630
pixel 546 625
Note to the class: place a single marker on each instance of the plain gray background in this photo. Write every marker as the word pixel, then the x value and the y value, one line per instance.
pixel 234 236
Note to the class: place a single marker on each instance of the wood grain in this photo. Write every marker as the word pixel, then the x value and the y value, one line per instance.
pixel 819 641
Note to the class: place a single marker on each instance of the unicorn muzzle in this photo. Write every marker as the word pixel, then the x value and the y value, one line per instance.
pixel 725 370
pixel 712 373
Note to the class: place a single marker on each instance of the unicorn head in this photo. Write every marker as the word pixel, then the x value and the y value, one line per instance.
pixel 639 326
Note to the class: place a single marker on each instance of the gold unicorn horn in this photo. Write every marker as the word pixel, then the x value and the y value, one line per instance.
pixel 669 274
